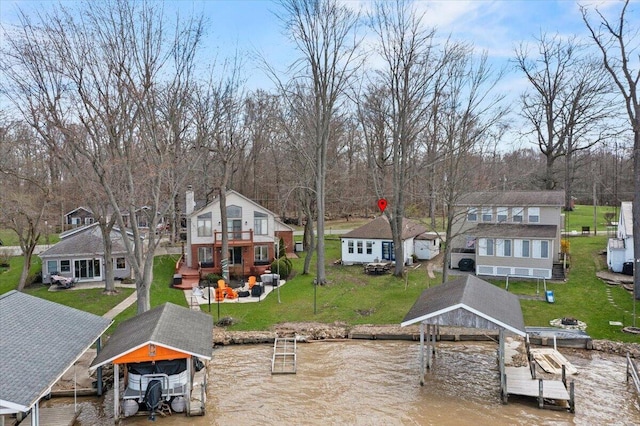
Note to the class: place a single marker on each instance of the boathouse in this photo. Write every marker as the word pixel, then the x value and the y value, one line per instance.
pixel 166 345
pixel 471 302
pixel 39 341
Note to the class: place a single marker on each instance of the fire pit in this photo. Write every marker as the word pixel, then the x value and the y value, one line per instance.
pixel 569 321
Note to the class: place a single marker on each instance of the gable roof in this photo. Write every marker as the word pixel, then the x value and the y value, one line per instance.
pixel 379 229
pixel 85 241
pixel 39 341
pixel 512 198
pixel 513 230
pixel 167 325
pixel 230 192
pixel 88 210
pixel 468 301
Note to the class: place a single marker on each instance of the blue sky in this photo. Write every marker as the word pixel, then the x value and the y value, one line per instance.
pixel 250 26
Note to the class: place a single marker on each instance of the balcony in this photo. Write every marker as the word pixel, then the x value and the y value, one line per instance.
pixel 234 237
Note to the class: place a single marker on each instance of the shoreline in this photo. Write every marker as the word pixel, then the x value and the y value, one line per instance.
pixel 312 331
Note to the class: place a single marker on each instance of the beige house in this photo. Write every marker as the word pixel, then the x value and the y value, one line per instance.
pixel 515 233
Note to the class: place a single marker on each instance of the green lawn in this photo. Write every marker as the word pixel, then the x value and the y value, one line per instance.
pixel 355 298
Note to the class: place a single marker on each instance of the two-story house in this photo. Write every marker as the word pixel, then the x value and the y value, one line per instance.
pixel 515 233
pixel 253 234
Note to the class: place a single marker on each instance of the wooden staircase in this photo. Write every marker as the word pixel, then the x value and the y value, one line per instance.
pixel 557 273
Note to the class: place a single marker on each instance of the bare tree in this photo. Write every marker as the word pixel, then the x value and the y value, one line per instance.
pixel 104 90
pixel 618 44
pixel 26 190
pixel 221 132
pixel 470 114
pixel 400 102
pixel 567 108
pixel 323 32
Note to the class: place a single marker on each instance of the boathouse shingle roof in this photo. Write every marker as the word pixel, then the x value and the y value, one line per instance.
pixel 39 341
pixel 167 325
pixel 470 302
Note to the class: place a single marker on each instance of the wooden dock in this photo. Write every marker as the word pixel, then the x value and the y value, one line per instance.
pixel 554 394
pixel 284 356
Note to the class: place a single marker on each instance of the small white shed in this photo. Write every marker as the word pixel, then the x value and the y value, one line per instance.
pixel 427 246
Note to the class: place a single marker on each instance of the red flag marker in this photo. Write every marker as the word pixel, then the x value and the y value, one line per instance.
pixel 382 204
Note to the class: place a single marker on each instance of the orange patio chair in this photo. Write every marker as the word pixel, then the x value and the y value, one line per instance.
pixel 252 281
pixel 221 284
pixel 219 295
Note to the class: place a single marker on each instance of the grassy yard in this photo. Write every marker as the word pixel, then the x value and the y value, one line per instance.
pixel 355 298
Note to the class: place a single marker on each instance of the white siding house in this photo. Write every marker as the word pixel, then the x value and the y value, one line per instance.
pixel 372 242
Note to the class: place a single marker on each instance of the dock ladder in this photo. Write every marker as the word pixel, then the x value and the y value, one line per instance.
pixel 284 356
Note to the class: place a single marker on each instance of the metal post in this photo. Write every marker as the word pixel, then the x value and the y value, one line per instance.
pixel 209 294
pixel 99 371
pixel 422 354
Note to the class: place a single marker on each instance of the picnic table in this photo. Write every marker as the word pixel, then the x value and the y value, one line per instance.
pixel 377 268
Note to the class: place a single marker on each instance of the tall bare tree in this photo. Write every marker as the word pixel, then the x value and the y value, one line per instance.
pixel 323 32
pixel 26 189
pixel 401 101
pixel 566 104
pixel 103 75
pixel 619 42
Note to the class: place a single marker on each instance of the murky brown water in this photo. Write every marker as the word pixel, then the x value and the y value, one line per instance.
pixel 377 383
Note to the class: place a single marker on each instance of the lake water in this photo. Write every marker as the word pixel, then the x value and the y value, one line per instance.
pixel 358 382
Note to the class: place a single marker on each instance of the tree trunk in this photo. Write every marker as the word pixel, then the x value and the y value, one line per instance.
pixel 25 269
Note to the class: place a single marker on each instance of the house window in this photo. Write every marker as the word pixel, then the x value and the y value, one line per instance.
pixel 521 248
pixel 52 266
pixel 359 245
pixel 387 251
pixel 205 254
pixel 121 263
pixel 65 266
pixel 503 248
pixel 369 247
pixel 350 247
pixel 261 254
pixel 472 214
pixel 88 220
pixel 234 212
pixel 518 213
pixel 487 214
pixel 540 249
pixel 87 268
pixel 259 223
pixel 534 214
pixel 485 247
pixel 502 214
pixel 204 225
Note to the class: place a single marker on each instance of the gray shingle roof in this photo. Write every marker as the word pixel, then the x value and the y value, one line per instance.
pixel 468 301
pixel 87 241
pixel 39 341
pixel 512 198
pixel 379 229
pixel 512 230
pixel 167 325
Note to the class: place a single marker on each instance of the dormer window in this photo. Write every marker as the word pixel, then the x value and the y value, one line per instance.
pixel 472 214
pixel 534 214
